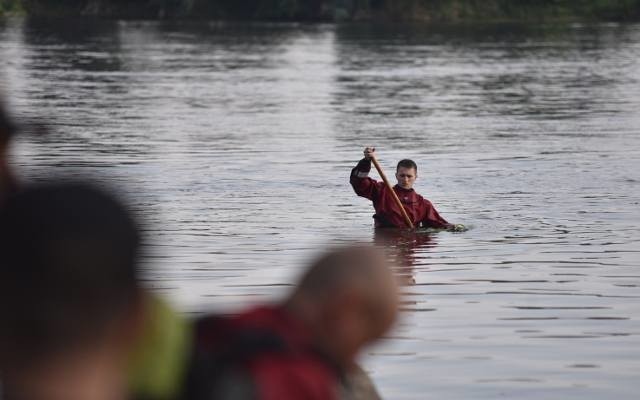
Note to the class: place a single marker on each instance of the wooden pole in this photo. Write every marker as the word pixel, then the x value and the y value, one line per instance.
pixel 393 192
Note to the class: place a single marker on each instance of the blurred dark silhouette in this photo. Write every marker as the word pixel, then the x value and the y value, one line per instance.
pixel 305 347
pixel 70 304
pixel 7 130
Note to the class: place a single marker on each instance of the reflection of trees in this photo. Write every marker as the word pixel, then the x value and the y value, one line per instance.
pixel 403 248
pixel 223 9
pixel 426 10
pixel 79 52
pixel 70 73
pixel 74 74
pixel 119 87
pixel 396 83
pixel 210 76
pixel 73 59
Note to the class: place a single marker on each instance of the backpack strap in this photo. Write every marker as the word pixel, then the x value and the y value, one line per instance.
pixel 220 352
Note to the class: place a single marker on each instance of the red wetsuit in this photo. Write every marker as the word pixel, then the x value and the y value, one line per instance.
pixel 420 210
pixel 262 354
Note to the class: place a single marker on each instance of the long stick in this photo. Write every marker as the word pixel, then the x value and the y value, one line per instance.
pixel 393 192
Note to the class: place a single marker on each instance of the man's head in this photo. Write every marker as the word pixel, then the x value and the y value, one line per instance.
pixel 67 272
pixel 349 298
pixel 406 173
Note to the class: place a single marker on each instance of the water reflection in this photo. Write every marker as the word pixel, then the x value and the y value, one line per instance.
pixel 404 74
pixel 405 249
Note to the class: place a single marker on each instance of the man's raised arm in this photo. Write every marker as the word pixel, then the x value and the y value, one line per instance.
pixel 360 181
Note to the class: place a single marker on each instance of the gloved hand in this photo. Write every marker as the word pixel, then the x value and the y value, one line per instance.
pixel 458 228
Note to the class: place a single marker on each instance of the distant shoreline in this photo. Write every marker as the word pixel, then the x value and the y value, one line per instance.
pixel 396 11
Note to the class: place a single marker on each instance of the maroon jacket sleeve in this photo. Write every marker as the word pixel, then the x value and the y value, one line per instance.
pixel 361 183
pixel 431 218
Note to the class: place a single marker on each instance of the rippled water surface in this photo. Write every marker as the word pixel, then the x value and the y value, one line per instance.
pixel 235 142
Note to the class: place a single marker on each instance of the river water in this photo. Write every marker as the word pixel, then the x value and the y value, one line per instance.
pixel 234 143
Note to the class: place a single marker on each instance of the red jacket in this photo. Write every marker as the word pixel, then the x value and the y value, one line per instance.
pixel 420 210
pixel 270 349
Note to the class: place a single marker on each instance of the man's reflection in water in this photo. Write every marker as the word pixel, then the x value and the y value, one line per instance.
pixel 403 248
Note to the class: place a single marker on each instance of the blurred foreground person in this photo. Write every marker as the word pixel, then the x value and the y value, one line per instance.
pixel 304 348
pixel 7 129
pixel 70 304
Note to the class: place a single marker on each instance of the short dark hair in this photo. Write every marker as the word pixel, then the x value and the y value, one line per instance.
pixel 68 256
pixel 406 163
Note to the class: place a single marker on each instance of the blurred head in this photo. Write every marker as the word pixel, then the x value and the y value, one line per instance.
pixel 68 280
pixel 406 173
pixel 349 298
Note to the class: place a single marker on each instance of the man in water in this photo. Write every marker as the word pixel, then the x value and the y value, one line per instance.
pixel 420 210
pixel 70 302
pixel 304 347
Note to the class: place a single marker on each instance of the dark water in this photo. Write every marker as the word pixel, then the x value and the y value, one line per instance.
pixel 234 142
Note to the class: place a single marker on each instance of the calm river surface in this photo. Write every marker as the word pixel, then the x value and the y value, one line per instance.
pixel 235 142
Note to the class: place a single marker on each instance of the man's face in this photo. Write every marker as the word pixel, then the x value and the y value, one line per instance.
pixel 406 177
